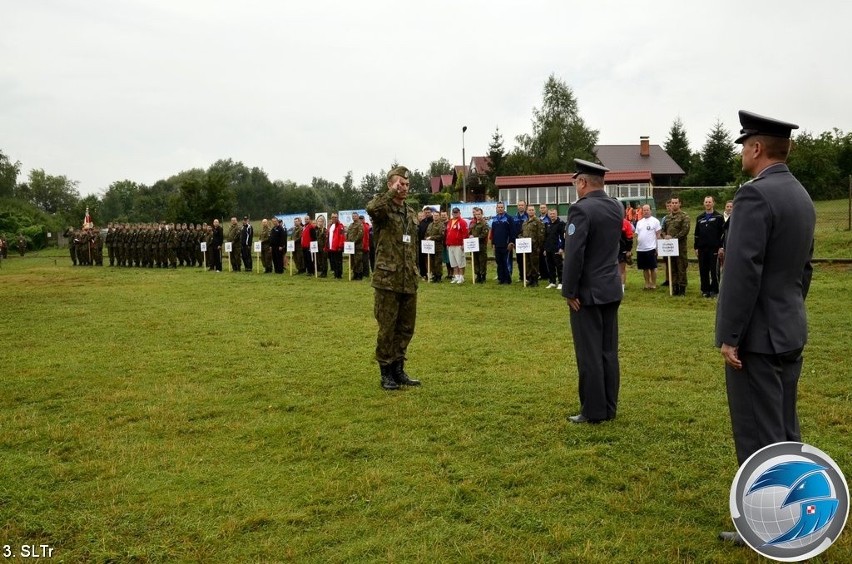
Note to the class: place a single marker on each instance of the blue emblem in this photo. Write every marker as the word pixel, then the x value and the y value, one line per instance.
pixel 789 501
pixel 571 229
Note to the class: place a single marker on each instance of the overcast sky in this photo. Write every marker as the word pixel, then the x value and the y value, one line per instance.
pixel 105 90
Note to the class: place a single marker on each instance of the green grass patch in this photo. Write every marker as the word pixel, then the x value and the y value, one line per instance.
pixel 152 415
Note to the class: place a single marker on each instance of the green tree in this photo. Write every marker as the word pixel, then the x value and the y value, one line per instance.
pixel 816 161
pixel 53 194
pixel 439 167
pixel 677 146
pixel 117 202
pixel 496 163
pixel 559 134
pixel 9 172
pixel 716 165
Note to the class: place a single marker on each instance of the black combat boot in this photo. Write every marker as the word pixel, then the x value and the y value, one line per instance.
pixel 400 376
pixel 388 381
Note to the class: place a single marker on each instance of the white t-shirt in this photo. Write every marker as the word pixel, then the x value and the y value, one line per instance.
pixel 646 232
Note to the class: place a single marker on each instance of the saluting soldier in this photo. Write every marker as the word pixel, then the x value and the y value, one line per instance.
pixel 395 277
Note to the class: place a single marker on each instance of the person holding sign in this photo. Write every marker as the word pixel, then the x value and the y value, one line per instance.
pixel 591 285
pixel 355 234
pixel 479 229
pixel 456 234
pixel 395 278
pixel 677 227
pixel 533 228
pixel 320 258
pixel 435 232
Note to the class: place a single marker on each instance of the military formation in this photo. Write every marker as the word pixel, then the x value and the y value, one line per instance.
pixel 141 245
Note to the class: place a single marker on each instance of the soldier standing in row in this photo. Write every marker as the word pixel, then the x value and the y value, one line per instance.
pixel 395 278
pixel 265 250
pixel 355 234
pixel 479 228
pixel 436 231
pixel 677 227
pixel 534 229
pixel 72 247
pixel 234 238
pixel 298 257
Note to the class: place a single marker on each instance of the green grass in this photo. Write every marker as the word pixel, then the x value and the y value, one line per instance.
pixel 152 416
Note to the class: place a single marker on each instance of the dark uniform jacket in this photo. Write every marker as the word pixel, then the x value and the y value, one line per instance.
pixel 768 252
pixel 590 268
pixel 396 261
pixel 709 230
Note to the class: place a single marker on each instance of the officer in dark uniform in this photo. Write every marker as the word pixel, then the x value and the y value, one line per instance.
pixel 591 285
pixel 395 278
pixel 761 325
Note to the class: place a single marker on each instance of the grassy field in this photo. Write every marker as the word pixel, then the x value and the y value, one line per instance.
pixel 152 416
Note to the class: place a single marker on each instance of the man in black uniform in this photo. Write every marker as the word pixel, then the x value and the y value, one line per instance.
pixel 246 239
pixel 761 325
pixel 278 245
pixel 215 250
pixel 591 284
pixel 709 227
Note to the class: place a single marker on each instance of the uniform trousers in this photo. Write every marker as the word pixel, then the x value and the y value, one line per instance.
pixel 503 259
pixel 396 313
pixel 762 400
pixel 595 332
pixel 335 259
pixel 708 260
pixel 277 260
pixel 246 252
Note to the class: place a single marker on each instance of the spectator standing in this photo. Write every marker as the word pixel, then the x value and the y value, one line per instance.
pixel 709 230
pixel 457 232
pixel 648 230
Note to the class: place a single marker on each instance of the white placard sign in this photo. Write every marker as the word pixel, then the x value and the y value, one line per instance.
pixel 257 246
pixel 523 245
pixel 203 246
pixel 291 246
pixel 471 245
pixel 427 247
pixel 349 248
pixel 667 248
pixel 49 235
pixel 314 247
pixel 229 247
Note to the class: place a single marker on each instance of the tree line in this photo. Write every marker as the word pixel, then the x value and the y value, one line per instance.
pixel 558 134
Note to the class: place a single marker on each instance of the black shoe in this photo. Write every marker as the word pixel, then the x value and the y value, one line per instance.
pixel 400 376
pixel 580 418
pixel 666 283
pixel 732 537
pixel 388 382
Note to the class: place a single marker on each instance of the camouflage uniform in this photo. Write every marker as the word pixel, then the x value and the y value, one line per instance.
pixel 298 256
pixel 395 281
pixel 355 234
pixel 110 243
pixel 199 237
pixel 265 249
pixel 84 252
pixel 436 231
pixel 97 244
pixel 22 244
pixel 479 229
pixel 321 257
pixel 234 238
pixel 677 226
pixel 534 229
pixel 71 235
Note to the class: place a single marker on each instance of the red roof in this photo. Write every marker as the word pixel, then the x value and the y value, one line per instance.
pixel 437 183
pixel 565 179
pixel 481 164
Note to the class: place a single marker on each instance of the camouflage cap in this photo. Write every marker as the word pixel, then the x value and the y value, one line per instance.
pixel 398 171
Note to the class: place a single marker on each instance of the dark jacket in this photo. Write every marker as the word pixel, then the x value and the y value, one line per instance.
pixel 709 230
pixel 502 230
pixel 768 270
pixel 590 268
